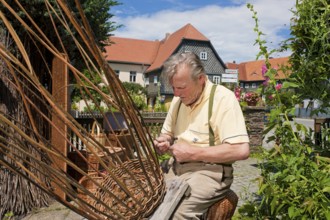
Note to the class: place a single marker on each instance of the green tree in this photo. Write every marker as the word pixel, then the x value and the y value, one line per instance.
pixel 137 93
pixel 97 13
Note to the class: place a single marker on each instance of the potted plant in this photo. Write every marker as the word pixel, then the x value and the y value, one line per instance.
pixel 251 98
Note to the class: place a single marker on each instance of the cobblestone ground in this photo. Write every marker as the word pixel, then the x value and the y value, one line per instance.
pixel 246 180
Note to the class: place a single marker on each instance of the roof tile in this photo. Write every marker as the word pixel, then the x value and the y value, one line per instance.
pixel 153 53
pixel 251 70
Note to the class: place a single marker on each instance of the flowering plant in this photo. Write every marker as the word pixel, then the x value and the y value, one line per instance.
pixel 237 92
pixel 251 97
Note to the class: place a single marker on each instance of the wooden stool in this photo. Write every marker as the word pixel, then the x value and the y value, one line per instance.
pixel 224 209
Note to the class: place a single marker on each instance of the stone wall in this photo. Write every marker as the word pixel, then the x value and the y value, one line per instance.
pixel 254 119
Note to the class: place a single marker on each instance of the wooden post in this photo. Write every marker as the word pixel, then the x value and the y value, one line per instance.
pixel 60 80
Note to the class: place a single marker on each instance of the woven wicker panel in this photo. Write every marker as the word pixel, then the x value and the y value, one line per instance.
pixel 224 209
pixel 141 195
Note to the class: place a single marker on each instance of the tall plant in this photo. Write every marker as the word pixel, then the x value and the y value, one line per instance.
pixel 311 51
pixel 295 181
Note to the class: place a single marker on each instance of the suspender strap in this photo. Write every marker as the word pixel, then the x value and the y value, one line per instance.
pixel 211 133
pixel 211 98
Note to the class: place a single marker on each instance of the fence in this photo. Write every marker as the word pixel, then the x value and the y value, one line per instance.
pixel 153 121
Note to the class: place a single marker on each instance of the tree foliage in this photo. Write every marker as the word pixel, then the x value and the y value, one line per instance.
pixel 137 93
pixel 97 13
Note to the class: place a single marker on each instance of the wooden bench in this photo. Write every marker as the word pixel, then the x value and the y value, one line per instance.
pixel 177 189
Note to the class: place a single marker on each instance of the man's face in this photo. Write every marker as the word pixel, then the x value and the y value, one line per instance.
pixel 184 87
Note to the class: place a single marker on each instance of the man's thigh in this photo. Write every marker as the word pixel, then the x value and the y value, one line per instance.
pixel 206 189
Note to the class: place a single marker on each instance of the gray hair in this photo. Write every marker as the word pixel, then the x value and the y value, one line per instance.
pixel 190 59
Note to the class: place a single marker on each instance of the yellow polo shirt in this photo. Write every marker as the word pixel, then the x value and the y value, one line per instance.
pixel 191 124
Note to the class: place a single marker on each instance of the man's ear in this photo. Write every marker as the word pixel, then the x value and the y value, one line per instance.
pixel 201 78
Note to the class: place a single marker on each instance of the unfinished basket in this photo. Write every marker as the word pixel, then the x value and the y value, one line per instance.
pixel 136 198
pixel 110 171
pixel 225 208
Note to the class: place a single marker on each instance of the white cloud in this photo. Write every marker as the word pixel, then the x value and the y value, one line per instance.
pixel 230 29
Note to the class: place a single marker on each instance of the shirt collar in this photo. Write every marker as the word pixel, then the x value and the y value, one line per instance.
pixel 203 97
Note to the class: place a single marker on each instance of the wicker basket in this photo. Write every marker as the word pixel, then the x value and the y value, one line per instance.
pixel 88 184
pixel 224 209
pixel 98 136
pixel 137 198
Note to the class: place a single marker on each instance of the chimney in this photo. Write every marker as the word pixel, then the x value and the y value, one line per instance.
pixel 167 36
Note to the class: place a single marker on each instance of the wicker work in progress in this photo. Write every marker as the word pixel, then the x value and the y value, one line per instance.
pixel 224 209
pixel 137 200
pixel 105 171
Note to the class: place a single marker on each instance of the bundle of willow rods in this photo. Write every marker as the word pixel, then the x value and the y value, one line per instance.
pixel 26 146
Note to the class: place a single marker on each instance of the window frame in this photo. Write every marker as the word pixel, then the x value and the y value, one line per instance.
pixel 203 55
pixel 132 76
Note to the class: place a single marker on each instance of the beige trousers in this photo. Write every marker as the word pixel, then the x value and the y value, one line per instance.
pixel 208 183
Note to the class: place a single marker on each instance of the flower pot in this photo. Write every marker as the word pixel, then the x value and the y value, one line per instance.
pixel 252 103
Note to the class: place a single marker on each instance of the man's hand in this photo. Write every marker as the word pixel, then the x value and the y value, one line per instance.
pixel 182 152
pixel 163 143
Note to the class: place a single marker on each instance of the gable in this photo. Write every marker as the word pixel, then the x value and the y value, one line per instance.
pixel 171 42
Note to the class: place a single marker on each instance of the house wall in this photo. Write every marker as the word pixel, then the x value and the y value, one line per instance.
pixel 250 85
pixel 212 65
pixel 124 74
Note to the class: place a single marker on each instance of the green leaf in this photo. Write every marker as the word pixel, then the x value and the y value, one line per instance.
pixel 326 189
pixel 291 211
pixel 287 85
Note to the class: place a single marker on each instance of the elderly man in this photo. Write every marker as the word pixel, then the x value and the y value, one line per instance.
pixel 204 131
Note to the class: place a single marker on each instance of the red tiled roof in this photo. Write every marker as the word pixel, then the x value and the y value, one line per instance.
pixel 153 53
pixel 251 70
pixel 172 41
pixel 129 50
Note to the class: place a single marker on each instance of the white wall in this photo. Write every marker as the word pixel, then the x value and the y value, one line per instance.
pixel 125 71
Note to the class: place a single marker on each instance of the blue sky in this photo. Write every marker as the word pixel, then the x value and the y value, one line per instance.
pixel 228 24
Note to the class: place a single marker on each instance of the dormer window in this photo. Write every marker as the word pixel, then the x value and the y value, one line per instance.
pixel 203 55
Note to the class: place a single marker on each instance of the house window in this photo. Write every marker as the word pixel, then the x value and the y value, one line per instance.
pixel 203 55
pixel 254 85
pixel 132 76
pixel 247 86
pixel 117 72
pixel 216 79
pixel 155 79
pixel 146 81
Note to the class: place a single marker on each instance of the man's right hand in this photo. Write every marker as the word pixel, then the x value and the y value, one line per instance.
pixel 163 143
